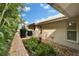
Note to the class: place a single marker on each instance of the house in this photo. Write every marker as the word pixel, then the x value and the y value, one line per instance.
pixel 63 30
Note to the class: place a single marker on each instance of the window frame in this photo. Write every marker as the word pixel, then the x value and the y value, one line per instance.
pixel 72 41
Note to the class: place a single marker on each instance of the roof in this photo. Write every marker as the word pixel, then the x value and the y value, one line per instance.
pixel 52 20
pixel 49 18
pixel 68 9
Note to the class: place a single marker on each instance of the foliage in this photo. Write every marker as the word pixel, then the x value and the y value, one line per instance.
pixel 38 49
pixel 8 25
pixel 31 43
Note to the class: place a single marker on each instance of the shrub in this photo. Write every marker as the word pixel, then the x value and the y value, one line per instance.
pixel 31 43
pixel 9 21
pixel 38 49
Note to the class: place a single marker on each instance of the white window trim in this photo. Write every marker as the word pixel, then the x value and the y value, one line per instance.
pixel 76 34
pixel 72 41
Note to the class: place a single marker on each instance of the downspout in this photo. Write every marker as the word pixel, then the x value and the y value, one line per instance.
pixel 34 26
pixel 41 29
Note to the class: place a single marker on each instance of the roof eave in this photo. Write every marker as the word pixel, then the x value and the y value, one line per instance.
pixel 52 20
pixel 57 7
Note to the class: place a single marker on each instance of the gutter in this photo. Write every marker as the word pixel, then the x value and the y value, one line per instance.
pixel 52 20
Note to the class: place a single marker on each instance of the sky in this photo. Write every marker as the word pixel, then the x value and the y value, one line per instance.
pixel 33 12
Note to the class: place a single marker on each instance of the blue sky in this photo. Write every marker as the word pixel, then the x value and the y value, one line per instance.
pixel 36 11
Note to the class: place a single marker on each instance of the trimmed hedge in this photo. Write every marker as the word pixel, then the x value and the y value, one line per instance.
pixel 38 49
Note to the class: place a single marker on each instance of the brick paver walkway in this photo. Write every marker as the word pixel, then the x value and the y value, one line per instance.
pixel 17 47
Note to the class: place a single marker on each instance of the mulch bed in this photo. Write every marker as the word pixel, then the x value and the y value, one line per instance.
pixel 62 50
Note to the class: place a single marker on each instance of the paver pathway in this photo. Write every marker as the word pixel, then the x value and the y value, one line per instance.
pixel 17 47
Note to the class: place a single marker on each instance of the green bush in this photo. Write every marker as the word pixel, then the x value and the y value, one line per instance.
pixel 8 25
pixel 38 49
pixel 31 43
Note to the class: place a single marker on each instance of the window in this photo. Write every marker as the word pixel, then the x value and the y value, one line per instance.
pixel 71 30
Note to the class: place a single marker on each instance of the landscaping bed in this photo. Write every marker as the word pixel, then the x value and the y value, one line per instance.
pixel 61 49
pixel 38 49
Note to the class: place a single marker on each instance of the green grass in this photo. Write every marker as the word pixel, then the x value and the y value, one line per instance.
pixel 38 49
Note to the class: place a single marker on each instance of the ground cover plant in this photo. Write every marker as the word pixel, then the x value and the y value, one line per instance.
pixel 38 49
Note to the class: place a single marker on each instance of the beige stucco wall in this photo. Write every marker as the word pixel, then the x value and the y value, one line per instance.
pixel 37 32
pixel 58 31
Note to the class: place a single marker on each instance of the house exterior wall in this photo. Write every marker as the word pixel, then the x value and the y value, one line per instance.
pixel 37 31
pixel 58 31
